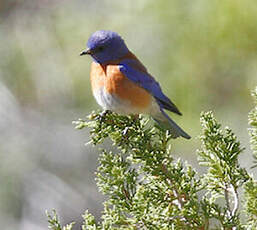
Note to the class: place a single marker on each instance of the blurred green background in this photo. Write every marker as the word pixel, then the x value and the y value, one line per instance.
pixel 203 53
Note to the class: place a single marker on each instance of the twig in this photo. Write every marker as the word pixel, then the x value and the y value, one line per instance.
pixel 234 192
pixel 236 200
pixel 236 203
pixel 226 193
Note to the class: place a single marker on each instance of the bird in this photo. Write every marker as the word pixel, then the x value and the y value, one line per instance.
pixel 122 84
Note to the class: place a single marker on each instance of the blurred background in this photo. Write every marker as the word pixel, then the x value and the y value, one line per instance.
pixel 203 53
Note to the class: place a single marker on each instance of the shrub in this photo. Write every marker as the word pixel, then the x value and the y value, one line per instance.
pixel 146 188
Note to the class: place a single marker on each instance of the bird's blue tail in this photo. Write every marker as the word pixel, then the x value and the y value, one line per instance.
pixel 167 123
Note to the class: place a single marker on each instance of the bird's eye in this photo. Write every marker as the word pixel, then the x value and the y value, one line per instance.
pixel 100 48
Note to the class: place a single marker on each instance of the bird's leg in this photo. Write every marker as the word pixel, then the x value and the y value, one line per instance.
pixel 103 114
pixel 135 116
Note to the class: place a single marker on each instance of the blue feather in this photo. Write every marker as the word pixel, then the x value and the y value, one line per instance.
pixel 147 82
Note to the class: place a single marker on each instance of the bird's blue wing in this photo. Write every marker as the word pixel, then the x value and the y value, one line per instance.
pixel 142 78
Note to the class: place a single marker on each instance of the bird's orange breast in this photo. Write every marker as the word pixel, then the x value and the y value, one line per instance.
pixel 115 83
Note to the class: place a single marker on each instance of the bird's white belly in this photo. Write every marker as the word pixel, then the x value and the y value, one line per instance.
pixel 112 102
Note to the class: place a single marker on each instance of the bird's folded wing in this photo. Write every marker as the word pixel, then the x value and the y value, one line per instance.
pixel 142 78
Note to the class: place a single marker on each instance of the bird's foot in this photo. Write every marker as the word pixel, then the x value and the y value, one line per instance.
pixel 135 116
pixel 103 115
pixel 105 112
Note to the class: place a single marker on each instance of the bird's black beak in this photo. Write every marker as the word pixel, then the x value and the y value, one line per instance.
pixel 85 52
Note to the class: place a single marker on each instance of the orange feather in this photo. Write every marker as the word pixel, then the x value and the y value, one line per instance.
pixel 114 82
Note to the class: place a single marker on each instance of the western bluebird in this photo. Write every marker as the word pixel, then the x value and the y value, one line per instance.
pixel 121 83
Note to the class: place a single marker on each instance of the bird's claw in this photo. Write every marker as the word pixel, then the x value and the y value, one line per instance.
pixel 103 114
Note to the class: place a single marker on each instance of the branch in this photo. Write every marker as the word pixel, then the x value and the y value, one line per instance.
pixel 226 193
pixel 236 201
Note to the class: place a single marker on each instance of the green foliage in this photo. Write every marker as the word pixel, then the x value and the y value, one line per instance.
pixel 251 185
pixel 251 203
pixel 253 130
pixel 54 223
pixel 136 177
pixel 146 188
pixel 89 222
pixel 219 152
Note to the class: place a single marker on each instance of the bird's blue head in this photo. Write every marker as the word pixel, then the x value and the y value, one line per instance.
pixel 105 46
